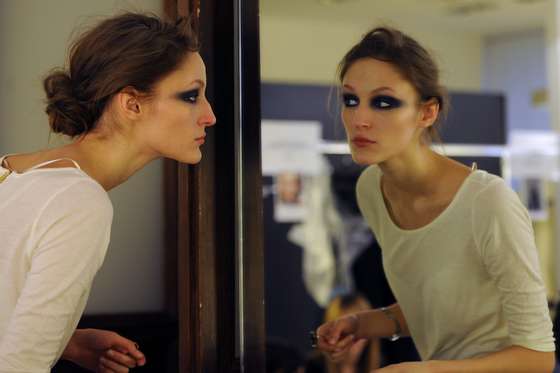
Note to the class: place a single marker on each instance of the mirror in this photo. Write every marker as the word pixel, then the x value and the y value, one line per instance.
pixel 494 58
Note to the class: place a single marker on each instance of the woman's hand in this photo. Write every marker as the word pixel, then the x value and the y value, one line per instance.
pixel 336 338
pixel 412 367
pixel 103 351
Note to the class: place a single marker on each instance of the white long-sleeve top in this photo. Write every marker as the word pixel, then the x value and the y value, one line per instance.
pixel 469 282
pixel 54 232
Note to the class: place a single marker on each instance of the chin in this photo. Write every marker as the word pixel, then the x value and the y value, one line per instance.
pixel 365 160
pixel 194 158
pixel 189 158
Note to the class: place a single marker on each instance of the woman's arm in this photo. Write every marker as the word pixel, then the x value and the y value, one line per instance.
pixel 94 349
pixel 377 324
pixel 514 359
pixel 69 241
pixel 336 337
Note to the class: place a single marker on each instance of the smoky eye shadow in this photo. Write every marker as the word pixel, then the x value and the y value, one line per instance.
pixel 190 95
pixel 350 99
pixel 385 102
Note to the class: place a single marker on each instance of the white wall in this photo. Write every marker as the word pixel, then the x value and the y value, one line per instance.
pixel 301 50
pixel 34 35
pixel 515 64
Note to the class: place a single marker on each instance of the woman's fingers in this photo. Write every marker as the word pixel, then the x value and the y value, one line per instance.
pixel 129 347
pixel 103 369
pixel 345 342
pixel 331 331
pixel 342 348
pixel 120 358
pixel 337 356
pixel 325 346
pixel 112 366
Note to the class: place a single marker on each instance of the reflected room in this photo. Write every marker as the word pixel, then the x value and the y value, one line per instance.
pixel 322 261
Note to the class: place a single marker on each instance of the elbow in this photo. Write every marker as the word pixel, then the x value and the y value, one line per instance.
pixel 552 361
pixel 536 361
pixel 548 362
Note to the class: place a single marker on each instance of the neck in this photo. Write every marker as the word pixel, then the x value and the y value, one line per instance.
pixel 108 160
pixel 412 172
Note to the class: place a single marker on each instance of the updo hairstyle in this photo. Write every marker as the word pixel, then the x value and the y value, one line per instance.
pixel 128 50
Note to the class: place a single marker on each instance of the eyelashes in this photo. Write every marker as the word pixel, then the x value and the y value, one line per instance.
pixel 190 97
pixel 385 102
pixel 350 100
pixel 381 102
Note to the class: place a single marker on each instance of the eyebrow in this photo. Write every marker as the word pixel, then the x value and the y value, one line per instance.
pixel 199 81
pixel 379 89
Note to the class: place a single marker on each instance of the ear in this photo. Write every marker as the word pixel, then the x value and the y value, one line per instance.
pixel 429 111
pixel 129 103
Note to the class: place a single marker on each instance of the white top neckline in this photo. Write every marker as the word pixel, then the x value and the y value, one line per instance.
pixel 38 166
pixel 434 221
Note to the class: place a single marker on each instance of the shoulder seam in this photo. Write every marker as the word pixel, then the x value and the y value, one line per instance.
pixel 491 184
pixel 51 198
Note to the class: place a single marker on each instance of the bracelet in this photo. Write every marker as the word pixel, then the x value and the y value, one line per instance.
pixel 314 339
pixel 398 330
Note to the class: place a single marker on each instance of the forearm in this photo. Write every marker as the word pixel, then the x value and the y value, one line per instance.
pixel 375 324
pixel 70 351
pixel 513 359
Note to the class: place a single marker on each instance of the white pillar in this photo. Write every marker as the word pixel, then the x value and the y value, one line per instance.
pixel 553 76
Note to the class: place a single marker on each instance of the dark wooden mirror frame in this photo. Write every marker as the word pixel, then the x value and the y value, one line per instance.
pixel 214 209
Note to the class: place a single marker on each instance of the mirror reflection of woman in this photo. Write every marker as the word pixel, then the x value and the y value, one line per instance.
pixel 133 92
pixel 458 245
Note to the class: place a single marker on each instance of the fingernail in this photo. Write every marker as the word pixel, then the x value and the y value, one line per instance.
pixel 137 345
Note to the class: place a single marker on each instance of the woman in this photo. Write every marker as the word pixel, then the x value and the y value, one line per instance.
pixel 133 92
pixel 458 246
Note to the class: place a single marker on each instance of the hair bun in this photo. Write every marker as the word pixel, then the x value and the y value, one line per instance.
pixel 67 115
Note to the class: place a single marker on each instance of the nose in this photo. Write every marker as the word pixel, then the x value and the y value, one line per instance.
pixel 207 119
pixel 358 118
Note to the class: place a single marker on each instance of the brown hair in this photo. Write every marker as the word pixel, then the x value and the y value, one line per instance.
pixel 410 58
pixel 130 49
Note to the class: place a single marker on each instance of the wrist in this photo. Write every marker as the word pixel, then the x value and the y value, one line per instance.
pixel 356 318
pixel 397 328
pixel 70 350
pixel 441 366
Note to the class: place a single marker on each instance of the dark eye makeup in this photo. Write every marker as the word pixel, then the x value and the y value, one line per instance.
pixel 385 102
pixel 350 100
pixel 381 102
pixel 190 96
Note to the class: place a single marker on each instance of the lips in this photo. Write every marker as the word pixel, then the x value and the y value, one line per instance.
pixel 361 141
